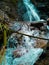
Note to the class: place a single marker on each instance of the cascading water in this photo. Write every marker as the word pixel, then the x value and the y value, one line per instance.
pixel 21 51
pixel 28 54
pixel 31 10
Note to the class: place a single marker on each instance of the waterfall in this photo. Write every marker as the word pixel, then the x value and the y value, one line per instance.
pixel 31 10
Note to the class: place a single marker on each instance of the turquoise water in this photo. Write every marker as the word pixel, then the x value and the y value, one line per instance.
pixel 31 10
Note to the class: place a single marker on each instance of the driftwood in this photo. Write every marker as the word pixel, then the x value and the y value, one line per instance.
pixel 29 35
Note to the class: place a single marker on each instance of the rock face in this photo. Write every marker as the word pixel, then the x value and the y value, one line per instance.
pixel 9 8
pixel 3 16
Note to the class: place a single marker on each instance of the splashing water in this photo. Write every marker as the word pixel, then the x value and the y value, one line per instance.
pixel 29 54
pixel 31 10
